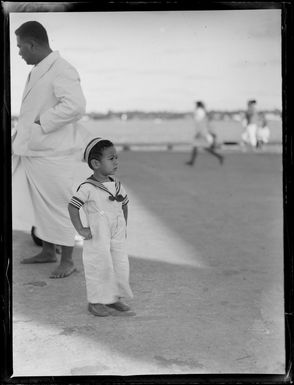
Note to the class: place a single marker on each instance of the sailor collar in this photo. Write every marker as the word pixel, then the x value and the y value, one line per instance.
pixel 117 197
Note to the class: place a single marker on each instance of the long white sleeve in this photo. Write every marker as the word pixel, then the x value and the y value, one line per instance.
pixel 71 103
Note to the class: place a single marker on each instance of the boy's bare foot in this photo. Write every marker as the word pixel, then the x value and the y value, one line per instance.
pixel 40 258
pixel 63 270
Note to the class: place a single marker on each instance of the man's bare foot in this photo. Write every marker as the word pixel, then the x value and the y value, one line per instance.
pixel 63 270
pixel 40 258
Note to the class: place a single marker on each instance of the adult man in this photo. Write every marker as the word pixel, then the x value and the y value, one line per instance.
pixel 47 142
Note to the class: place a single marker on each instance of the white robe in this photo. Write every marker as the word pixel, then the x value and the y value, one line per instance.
pixel 45 154
pixel 50 184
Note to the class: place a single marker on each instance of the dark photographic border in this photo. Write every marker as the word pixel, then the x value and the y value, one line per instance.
pixel 287 27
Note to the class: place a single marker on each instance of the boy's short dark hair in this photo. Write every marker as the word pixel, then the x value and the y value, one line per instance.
pixel 97 151
pixel 33 30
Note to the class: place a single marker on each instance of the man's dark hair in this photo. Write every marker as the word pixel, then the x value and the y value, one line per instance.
pixel 33 30
pixel 97 151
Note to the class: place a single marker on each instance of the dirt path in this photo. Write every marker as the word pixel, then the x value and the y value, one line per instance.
pixel 205 247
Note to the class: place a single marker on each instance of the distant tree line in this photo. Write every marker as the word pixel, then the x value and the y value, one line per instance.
pixel 136 114
pixel 167 115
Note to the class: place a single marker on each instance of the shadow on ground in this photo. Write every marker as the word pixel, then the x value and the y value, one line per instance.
pixel 219 314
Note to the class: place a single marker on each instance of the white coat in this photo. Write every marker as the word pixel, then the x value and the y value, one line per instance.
pixel 53 96
pixel 46 155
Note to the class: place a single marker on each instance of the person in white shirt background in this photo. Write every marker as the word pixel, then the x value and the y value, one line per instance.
pixel 250 125
pixel 263 132
pixel 204 136
pixel 47 143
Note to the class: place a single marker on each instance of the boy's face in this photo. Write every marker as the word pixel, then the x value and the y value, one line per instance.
pixel 108 164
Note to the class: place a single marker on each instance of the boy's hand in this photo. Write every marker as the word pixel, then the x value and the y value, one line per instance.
pixel 86 233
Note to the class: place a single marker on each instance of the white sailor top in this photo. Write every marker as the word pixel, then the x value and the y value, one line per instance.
pixel 94 196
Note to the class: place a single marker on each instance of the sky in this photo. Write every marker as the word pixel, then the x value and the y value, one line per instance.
pixel 163 60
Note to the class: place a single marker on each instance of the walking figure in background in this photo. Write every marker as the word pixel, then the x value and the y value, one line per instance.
pixel 105 203
pixel 47 143
pixel 204 136
pixel 250 123
pixel 263 132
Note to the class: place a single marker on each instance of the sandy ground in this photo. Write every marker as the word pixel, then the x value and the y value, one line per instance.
pixel 206 256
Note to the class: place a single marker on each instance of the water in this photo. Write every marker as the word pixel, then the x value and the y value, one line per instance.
pixel 169 131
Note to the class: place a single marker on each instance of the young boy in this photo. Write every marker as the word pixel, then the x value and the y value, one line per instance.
pixel 263 133
pixel 105 203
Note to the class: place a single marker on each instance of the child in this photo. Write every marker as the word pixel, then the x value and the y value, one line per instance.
pixel 263 133
pixel 105 203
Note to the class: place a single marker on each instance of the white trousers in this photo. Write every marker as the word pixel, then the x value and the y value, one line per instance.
pixel 105 259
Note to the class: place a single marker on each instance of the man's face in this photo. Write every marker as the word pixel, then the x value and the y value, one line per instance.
pixel 26 50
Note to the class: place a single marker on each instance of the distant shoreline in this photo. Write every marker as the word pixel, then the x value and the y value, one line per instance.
pixel 274 114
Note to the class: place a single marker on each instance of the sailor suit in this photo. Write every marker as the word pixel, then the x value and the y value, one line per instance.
pixel 105 258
